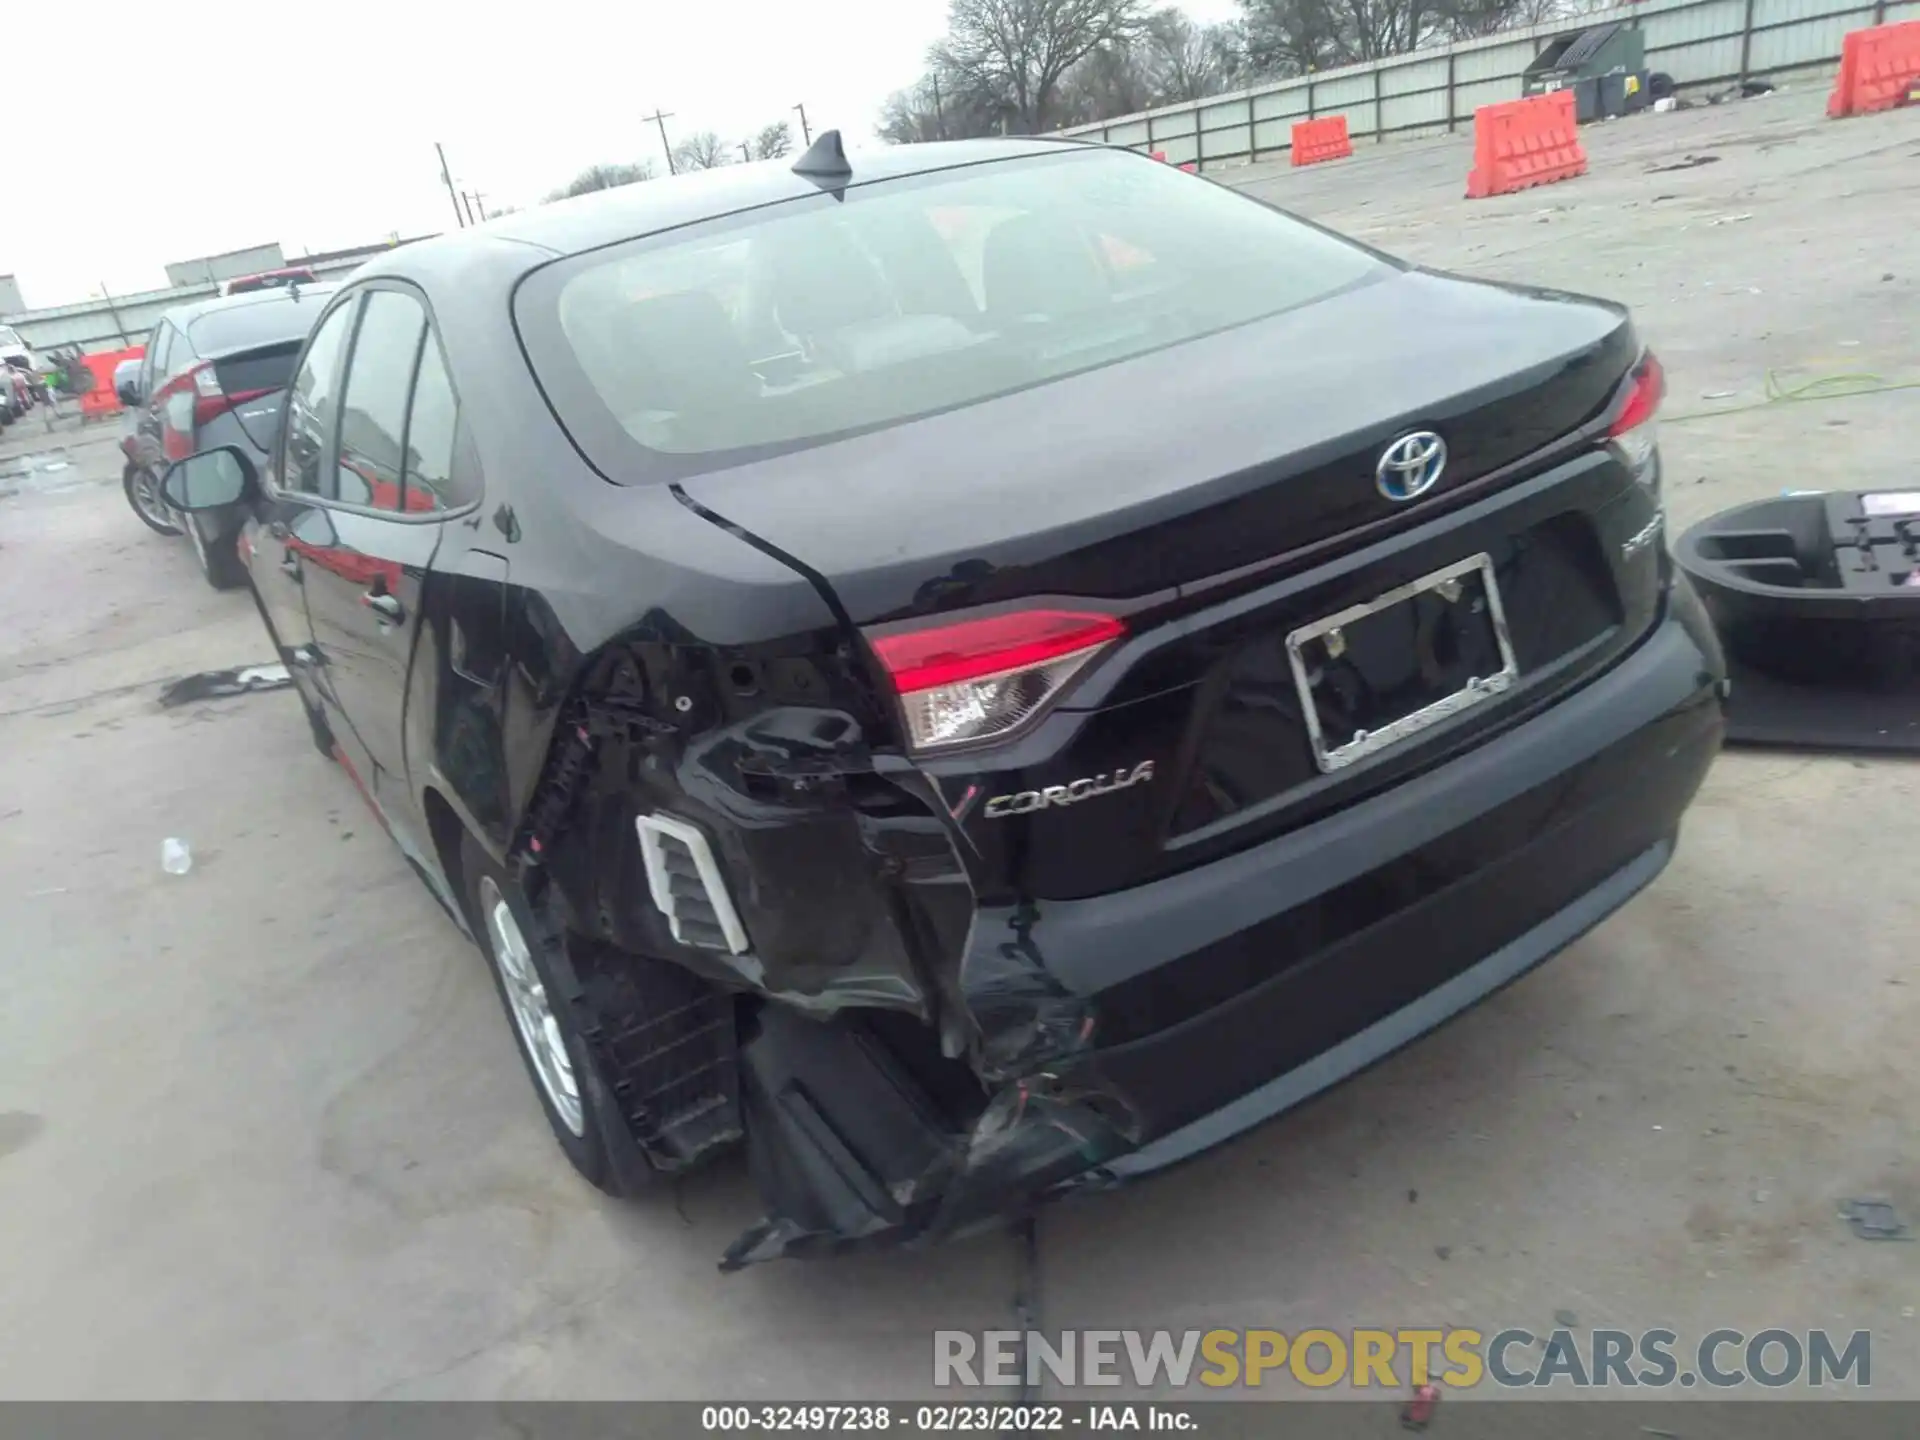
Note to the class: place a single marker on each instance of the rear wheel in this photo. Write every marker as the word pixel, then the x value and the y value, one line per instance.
pixel 543 1001
pixel 143 494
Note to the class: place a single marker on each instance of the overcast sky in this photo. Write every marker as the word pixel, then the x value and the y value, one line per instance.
pixel 314 125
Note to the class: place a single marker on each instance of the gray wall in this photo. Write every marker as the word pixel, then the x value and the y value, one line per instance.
pixel 1698 42
pixel 211 269
pixel 10 300
pixel 126 319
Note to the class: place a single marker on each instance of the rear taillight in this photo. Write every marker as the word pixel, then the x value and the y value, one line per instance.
pixel 209 399
pixel 1634 431
pixel 194 397
pixel 983 679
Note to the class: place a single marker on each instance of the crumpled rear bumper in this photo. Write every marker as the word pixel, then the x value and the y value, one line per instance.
pixel 1171 1017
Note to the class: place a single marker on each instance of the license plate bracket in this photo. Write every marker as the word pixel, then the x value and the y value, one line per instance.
pixel 1458 629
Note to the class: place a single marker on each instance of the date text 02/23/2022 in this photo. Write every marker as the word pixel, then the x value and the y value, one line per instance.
pixel 974 1419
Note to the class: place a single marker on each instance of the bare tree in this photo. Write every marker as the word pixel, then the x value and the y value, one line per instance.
pixel 1113 80
pixel 1185 61
pixel 945 105
pixel 772 142
pixel 1292 37
pixel 702 150
pixel 1020 50
pixel 603 177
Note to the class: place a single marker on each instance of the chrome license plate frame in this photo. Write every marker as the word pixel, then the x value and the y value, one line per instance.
pixel 1476 691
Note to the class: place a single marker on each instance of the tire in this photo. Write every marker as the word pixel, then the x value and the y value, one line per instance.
pixel 219 559
pixel 589 1126
pixel 131 482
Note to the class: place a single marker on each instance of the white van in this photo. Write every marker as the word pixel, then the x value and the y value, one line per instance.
pixel 15 352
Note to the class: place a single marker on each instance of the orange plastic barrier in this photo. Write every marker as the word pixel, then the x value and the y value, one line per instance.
pixel 1191 167
pixel 1161 156
pixel 1879 69
pixel 1324 139
pixel 100 398
pixel 1521 143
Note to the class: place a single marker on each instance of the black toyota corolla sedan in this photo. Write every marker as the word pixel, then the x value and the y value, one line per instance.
pixel 976 670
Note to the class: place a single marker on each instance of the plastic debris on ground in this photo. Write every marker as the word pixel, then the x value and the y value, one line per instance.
pixel 176 856
pixel 213 684
pixel 1874 1220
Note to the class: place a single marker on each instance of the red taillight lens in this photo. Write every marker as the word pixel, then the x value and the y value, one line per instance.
pixel 1633 430
pixel 1649 389
pixel 209 399
pixel 980 679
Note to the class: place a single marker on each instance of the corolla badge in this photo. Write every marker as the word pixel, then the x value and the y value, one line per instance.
pixel 1411 465
pixel 1023 801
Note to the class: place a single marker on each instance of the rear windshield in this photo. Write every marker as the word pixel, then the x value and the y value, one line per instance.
pixel 813 320
pixel 264 322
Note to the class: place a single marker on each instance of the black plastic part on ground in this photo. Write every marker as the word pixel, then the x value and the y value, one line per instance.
pixel 1817 601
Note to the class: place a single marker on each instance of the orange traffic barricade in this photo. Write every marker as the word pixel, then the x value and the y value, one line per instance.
pixel 1323 139
pixel 1522 143
pixel 99 398
pixel 1879 70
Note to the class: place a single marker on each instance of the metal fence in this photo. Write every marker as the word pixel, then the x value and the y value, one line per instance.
pixel 1697 42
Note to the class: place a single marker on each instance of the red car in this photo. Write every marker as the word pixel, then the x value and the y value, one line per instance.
pixel 269 280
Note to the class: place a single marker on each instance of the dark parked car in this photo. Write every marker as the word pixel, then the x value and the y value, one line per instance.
pixel 983 673
pixel 213 374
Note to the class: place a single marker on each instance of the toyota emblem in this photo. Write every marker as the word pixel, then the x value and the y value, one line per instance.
pixel 1411 466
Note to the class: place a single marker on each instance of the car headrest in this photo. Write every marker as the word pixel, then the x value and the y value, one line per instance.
pixel 676 352
pixel 820 282
pixel 1034 265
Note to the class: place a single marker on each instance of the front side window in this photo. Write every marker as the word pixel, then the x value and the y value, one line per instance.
pixel 373 412
pixel 816 319
pixel 312 403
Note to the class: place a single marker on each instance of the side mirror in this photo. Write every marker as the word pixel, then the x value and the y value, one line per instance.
pixel 209 480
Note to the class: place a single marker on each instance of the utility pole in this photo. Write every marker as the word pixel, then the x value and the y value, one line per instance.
pixel 480 204
pixel 447 177
pixel 939 115
pixel 660 118
pixel 120 328
pixel 466 202
pixel 745 153
pixel 806 135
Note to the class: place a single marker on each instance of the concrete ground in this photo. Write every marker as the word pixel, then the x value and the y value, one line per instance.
pixel 262 1130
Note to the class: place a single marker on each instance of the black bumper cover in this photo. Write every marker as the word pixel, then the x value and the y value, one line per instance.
pixel 1218 997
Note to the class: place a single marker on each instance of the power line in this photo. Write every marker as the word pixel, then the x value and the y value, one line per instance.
pixel 660 118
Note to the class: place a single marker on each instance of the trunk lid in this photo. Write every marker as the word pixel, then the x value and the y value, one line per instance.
pixel 1190 462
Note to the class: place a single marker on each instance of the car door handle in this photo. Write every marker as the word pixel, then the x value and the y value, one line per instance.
pixel 385 606
pixel 290 568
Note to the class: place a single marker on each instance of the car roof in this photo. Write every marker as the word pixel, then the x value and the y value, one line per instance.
pixel 281 295
pixel 605 217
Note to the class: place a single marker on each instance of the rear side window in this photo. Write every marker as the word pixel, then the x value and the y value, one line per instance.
pixel 179 354
pixel 431 431
pixel 312 403
pixel 373 412
pixel 815 319
pixel 156 358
